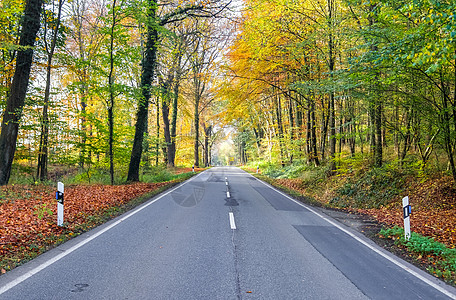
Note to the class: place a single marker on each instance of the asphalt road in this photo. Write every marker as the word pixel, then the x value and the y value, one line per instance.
pixel 221 235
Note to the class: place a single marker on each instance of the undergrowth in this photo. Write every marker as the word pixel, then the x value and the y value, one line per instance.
pixel 90 175
pixel 441 259
pixel 354 184
pixel 374 188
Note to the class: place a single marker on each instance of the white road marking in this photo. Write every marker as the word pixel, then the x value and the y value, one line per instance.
pixel 232 223
pixel 384 255
pixel 228 194
pixel 56 258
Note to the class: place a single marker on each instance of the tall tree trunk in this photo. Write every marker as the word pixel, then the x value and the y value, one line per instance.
pixel 377 109
pixel 324 129
pixel 407 136
pixel 299 124
pixel 309 136
pixel 196 124
pixel 378 133
pixel 111 138
pixel 332 133
pixel 157 134
pixel 278 111
pixel 147 74
pixel 79 8
pixel 351 127
pixel 166 125
pixel 292 128
pixel 84 98
pixel 259 135
pixel 313 125
pixel 176 85
pixel 453 170
pixel 16 99
pixel 111 96
pixel 332 110
pixel 207 136
pixel 447 127
pixel 172 146
pixel 41 172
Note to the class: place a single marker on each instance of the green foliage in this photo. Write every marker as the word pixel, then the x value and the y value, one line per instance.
pixel 161 174
pixel 42 210
pixel 102 176
pixel 439 255
pixel 373 189
pixel 312 177
pixel 298 169
pixel 356 185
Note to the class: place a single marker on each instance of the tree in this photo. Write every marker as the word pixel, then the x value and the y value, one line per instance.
pixel 42 171
pixel 10 17
pixel 116 49
pixel 207 138
pixel 110 102
pixel 170 80
pixel 153 25
pixel 147 74
pixel 202 55
pixel 18 90
pixel 82 48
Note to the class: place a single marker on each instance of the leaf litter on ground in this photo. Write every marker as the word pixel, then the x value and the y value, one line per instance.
pixel 28 222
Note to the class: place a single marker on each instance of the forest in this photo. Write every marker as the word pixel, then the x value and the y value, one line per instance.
pixel 347 104
pixel 119 87
pixel 326 80
pixel 108 87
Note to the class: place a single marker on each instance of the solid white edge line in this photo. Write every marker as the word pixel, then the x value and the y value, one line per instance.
pixel 391 259
pixel 232 223
pixel 56 258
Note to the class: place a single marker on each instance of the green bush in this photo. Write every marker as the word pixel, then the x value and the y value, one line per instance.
pixel 161 174
pixel 373 189
pixel 445 264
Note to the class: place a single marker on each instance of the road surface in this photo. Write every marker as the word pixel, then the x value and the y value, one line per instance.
pixel 221 235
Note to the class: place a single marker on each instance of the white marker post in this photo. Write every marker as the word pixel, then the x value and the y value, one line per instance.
pixel 59 197
pixel 407 209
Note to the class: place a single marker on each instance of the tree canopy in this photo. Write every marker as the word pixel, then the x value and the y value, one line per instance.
pixel 120 86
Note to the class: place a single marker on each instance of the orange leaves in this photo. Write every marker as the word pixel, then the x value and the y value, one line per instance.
pixel 83 201
pixel 433 210
pixel 29 214
pixel 294 184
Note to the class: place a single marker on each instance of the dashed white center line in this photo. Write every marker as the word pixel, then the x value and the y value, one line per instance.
pixel 228 194
pixel 232 223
